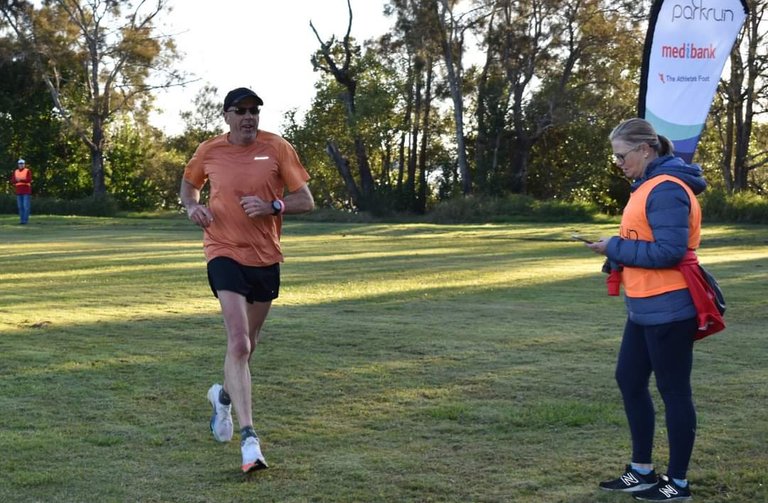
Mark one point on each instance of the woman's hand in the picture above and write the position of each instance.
(598, 246)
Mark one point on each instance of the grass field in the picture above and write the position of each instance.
(401, 363)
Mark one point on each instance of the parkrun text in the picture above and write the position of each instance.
(695, 10)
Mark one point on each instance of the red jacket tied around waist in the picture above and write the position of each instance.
(709, 318)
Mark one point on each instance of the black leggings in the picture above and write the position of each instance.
(667, 351)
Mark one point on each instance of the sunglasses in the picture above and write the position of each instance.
(241, 111)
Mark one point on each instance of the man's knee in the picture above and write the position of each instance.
(239, 346)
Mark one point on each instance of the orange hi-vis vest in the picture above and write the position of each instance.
(22, 174)
(640, 282)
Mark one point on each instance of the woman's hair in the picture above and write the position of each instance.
(637, 131)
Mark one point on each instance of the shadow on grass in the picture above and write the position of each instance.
(445, 372)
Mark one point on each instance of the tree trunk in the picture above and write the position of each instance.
(754, 74)
(410, 183)
(401, 164)
(345, 76)
(740, 94)
(97, 159)
(453, 71)
(407, 119)
(346, 174)
(727, 152)
(519, 169)
(97, 174)
(364, 168)
(421, 198)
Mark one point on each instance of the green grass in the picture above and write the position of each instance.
(401, 363)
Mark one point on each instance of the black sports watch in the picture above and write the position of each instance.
(277, 207)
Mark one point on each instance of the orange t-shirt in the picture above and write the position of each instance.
(265, 168)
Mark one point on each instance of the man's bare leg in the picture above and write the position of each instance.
(243, 322)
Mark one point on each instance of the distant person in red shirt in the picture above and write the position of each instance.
(255, 177)
(22, 180)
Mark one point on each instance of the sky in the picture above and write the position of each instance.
(262, 44)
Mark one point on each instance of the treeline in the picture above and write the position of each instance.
(486, 98)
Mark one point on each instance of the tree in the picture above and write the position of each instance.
(323, 120)
(345, 73)
(116, 52)
(741, 101)
(376, 126)
(572, 159)
(546, 61)
(203, 122)
(415, 48)
(206, 119)
(452, 29)
(30, 128)
(131, 166)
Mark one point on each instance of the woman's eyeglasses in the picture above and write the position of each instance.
(620, 158)
(241, 111)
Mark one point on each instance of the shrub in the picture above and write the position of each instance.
(562, 211)
(87, 206)
(474, 209)
(335, 215)
(8, 204)
(743, 207)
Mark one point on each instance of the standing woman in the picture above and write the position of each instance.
(659, 225)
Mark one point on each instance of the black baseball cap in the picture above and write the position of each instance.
(236, 95)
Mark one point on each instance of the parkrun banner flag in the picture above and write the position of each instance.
(687, 45)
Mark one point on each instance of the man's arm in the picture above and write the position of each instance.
(189, 195)
(299, 201)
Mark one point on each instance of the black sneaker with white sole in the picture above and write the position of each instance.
(630, 481)
(665, 490)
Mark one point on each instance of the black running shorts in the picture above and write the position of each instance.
(256, 284)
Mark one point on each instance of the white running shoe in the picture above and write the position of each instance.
(221, 421)
(253, 459)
